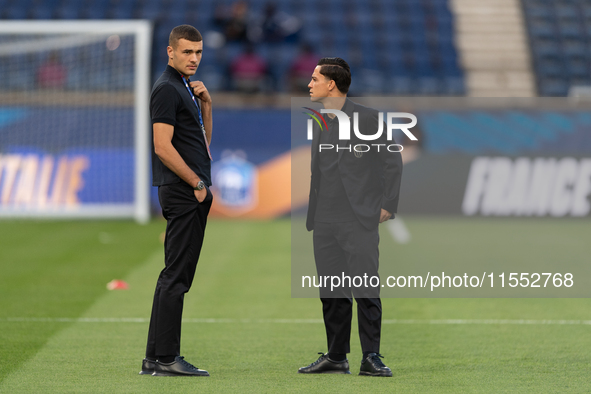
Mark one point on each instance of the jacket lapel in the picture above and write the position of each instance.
(348, 109)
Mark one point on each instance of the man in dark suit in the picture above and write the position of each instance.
(353, 189)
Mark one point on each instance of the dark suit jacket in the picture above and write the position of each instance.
(372, 181)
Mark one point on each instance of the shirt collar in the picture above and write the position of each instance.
(348, 107)
(174, 72)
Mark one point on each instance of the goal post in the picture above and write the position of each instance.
(74, 120)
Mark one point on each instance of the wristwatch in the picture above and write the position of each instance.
(200, 185)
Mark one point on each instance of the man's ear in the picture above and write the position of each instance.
(332, 84)
(169, 51)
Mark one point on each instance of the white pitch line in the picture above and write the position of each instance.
(295, 321)
(490, 322)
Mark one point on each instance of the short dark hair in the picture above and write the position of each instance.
(338, 70)
(187, 32)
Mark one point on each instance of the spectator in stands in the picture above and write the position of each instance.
(52, 73)
(249, 71)
(303, 64)
(235, 25)
(275, 26)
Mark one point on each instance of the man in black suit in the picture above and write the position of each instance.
(353, 189)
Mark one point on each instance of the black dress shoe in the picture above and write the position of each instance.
(179, 367)
(326, 365)
(147, 367)
(373, 366)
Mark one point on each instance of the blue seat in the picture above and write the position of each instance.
(149, 11)
(365, 19)
(16, 11)
(450, 65)
(370, 58)
(423, 68)
(454, 85)
(334, 20)
(553, 87)
(538, 2)
(580, 81)
(122, 13)
(578, 68)
(42, 11)
(542, 29)
(313, 22)
(546, 48)
(373, 81)
(570, 11)
(213, 77)
(429, 86)
(539, 11)
(390, 19)
(401, 85)
(576, 48)
(124, 10)
(313, 35)
(95, 10)
(572, 29)
(176, 16)
(69, 9)
(550, 68)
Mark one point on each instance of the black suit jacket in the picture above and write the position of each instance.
(372, 181)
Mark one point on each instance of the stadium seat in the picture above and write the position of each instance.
(16, 11)
(567, 11)
(542, 29)
(576, 48)
(570, 29)
(550, 68)
(151, 10)
(69, 10)
(553, 87)
(560, 38)
(123, 9)
(578, 68)
(42, 12)
(538, 11)
(454, 86)
(546, 49)
(95, 10)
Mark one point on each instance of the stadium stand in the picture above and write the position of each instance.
(560, 37)
(395, 46)
(494, 48)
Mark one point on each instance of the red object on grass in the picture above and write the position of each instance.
(117, 284)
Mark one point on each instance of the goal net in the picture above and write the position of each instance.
(74, 122)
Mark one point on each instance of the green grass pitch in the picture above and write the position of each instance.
(62, 331)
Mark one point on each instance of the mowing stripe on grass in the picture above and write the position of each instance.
(294, 321)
